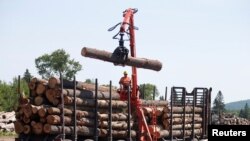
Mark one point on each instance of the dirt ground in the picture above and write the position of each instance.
(7, 138)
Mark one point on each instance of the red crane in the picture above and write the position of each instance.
(121, 53)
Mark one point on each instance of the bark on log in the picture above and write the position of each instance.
(101, 110)
(132, 61)
(42, 112)
(168, 115)
(157, 103)
(19, 127)
(7, 115)
(115, 117)
(187, 120)
(57, 111)
(181, 109)
(56, 120)
(91, 102)
(149, 111)
(89, 94)
(187, 126)
(86, 131)
(67, 84)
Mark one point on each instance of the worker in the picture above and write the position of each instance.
(125, 81)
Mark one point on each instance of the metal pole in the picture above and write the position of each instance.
(96, 109)
(166, 93)
(62, 108)
(75, 131)
(110, 111)
(129, 112)
(194, 104)
(171, 121)
(184, 114)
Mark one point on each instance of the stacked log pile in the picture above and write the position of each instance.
(178, 121)
(42, 113)
(7, 120)
(229, 119)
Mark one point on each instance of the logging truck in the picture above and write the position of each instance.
(59, 109)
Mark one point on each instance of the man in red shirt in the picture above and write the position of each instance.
(125, 81)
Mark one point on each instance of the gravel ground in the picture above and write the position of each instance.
(7, 138)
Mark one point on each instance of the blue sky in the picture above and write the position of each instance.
(201, 43)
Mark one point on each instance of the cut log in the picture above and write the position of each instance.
(158, 103)
(115, 117)
(57, 111)
(187, 126)
(168, 115)
(37, 127)
(40, 88)
(7, 115)
(85, 86)
(54, 82)
(34, 81)
(56, 120)
(101, 110)
(91, 102)
(187, 120)
(149, 111)
(51, 95)
(39, 100)
(8, 127)
(131, 61)
(89, 94)
(19, 127)
(179, 109)
(86, 131)
(42, 112)
(35, 109)
(26, 129)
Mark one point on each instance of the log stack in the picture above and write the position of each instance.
(7, 120)
(229, 119)
(41, 114)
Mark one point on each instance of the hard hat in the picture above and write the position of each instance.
(125, 72)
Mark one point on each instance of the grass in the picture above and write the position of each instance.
(3, 133)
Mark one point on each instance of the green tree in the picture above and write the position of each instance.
(241, 114)
(148, 90)
(27, 76)
(9, 94)
(218, 104)
(56, 62)
(90, 81)
(246, 111)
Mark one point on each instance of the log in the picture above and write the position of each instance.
(56, 120)
(42, 112)
(54, 82)
(26, 129)
(187, 120)
(67, 84)
(176, 109)
(81, 130)
(149, 111)
(35, 109)
(26, 119)
(37, 127)
(131, 61)
(86, 131)
(7, 115)
(40, 88)
(27, 110)
(57, 111)
(34, 81)
(157, 103)
(115, 117)
(91, 102)
(39, 100)
(19, 127)
(168, 115)
(8, 127)
(101, 110)
(51, 95)
(187, 126)
(8, 120)
(89, 94)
